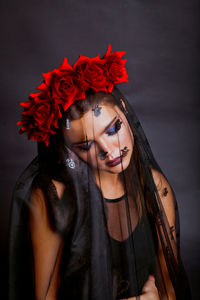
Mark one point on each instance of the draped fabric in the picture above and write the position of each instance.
(70, 239)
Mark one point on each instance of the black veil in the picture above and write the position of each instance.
(102, 248)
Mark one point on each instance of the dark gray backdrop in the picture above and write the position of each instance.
(161, 39)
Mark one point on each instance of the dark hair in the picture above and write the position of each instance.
(80, 107)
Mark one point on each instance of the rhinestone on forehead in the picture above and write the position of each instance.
(97, 110)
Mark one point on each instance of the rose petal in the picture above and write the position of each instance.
(65, 65)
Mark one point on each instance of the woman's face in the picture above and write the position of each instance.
(104, 141)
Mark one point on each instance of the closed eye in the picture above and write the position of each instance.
(85, 146)
(114, 128)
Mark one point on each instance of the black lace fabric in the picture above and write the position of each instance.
(74, 235)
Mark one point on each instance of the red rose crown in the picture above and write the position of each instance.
(66, 84)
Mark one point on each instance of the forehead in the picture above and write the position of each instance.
(90, 125)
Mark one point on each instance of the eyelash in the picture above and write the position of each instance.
(111, 131)
(86, 146)
(115, 128)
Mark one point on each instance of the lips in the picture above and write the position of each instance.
(114, 162)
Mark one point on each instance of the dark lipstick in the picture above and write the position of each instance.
(114, 162)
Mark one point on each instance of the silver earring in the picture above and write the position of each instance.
(70, 163)
(68, 124)
(102, 154)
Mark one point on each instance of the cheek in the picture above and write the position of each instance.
(82, 155)
(126, 138)
(88, 157)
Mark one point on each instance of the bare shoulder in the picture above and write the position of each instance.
(161, 182)
(37, 199)
(60, 187)
(165, 193)
(167, 204)
(158, 178)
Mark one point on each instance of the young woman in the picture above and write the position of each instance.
(93, 215)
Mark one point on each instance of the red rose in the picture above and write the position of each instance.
(61, 83)
(116, 72)
(64, 87)
(79, 68)
(94, 75)
(40, 117)
(90, 74)
(115, 68)
(66, 84)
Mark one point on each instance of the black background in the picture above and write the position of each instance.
(161, 39)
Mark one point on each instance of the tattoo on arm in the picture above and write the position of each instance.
(165, 192)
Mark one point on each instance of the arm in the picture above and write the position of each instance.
(149, 291)
(47, 247)
(167, 200)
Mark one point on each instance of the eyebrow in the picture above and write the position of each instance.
(106, 128)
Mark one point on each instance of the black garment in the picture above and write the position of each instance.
(142, 257)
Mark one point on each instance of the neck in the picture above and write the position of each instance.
(110, 184)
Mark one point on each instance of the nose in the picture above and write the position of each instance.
(105, 149)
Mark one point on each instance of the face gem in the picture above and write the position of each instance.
(68, 124)
(124, 151)
(97, 110)
(102, 155)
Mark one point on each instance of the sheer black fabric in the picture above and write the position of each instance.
(71, 241)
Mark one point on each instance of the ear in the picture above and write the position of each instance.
(123, 103)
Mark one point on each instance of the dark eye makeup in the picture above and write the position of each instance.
(114, 128)
(110, 131)
(86, 146)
